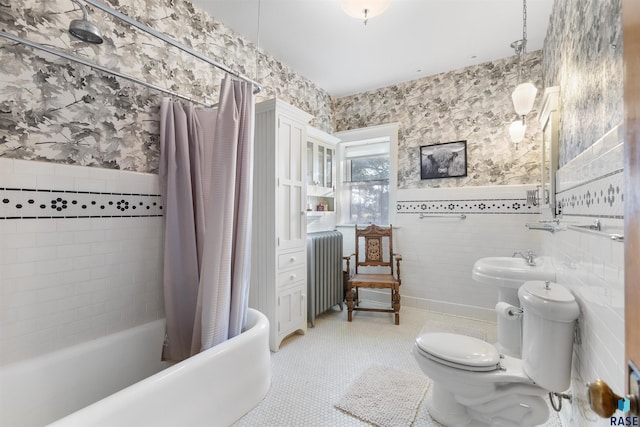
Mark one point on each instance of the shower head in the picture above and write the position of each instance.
(83, 29)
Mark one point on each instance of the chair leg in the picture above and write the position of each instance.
(357, 300)
(396, 305)
(349, 303)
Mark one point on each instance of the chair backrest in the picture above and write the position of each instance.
(374, 247)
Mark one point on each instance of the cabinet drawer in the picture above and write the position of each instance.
(290, 259)
(290, 277)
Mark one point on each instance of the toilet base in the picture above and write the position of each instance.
(443, 408)
(507, 410)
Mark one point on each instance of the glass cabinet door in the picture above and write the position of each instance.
(328, 168)
(321, 163)
(310, 163)
(320, 181)
(320, 166)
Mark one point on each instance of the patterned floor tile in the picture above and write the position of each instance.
(311, 372)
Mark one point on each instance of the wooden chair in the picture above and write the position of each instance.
(374, 248)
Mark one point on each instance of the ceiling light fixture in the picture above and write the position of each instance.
(365, 9)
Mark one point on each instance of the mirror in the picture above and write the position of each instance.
(549, 121)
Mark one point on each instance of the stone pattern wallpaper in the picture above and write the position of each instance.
(472, 104)
(590, 78)
(54, 110)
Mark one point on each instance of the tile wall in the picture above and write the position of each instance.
(590, 188)
(73, 271)
(440, 249)
(80, 254)
(582, 55)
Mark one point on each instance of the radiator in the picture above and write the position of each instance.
(324, 272)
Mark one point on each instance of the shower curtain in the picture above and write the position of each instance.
(206, 170)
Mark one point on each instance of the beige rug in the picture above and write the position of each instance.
(385, 397)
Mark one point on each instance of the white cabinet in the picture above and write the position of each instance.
(278, 258)
(321, 177)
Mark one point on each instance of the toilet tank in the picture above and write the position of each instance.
(550, 313)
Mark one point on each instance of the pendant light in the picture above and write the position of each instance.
(524, 94)
(364, 9)
(517, 131)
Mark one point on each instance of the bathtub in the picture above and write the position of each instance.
(213, 388)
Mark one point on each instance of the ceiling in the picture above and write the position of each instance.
(410, 40)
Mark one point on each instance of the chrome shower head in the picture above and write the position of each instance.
(84, 30)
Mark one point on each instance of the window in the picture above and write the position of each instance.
(365, 191)
(367, 175)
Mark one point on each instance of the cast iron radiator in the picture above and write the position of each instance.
(324, 272)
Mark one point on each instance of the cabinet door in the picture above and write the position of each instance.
(310, 158)
(291, 175)
(319, 164)
(292, 309)
(328, 168)
(320, 167)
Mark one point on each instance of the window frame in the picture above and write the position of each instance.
(368, 135)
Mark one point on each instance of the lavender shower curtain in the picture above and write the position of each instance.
(206, 169)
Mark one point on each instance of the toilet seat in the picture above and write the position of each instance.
(459, 351)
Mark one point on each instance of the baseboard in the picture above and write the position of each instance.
(460, 310)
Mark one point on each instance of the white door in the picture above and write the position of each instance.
(631, 36)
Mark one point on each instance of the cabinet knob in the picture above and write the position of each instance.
(292, 277)
(292, 259)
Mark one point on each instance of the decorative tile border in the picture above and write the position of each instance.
(512, 206)
(24, 203)
(602, 198)
(592, 184)
(605, 157)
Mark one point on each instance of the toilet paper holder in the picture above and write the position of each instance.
(508, 310)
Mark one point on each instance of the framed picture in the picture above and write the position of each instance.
(445, 160)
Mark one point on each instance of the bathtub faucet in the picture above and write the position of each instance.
(530, 257)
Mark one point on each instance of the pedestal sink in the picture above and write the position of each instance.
(508, 274)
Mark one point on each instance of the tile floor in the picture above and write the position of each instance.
(311, 372)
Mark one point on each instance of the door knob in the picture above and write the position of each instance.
(604, 402)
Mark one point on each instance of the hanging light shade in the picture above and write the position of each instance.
(523, 98)
(365, 9)
(517, 131)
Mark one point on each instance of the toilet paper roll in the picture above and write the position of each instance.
(507, 311)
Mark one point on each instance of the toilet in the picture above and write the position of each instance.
(475, 385)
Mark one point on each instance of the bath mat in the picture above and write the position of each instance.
(385, 397)
(436, 326)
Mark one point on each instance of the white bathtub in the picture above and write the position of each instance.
(213, 388)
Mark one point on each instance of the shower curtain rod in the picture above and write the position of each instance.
(166, 39)
(78, 60)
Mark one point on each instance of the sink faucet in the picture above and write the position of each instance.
(530, 257)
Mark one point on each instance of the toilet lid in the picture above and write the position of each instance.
(467, 352)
